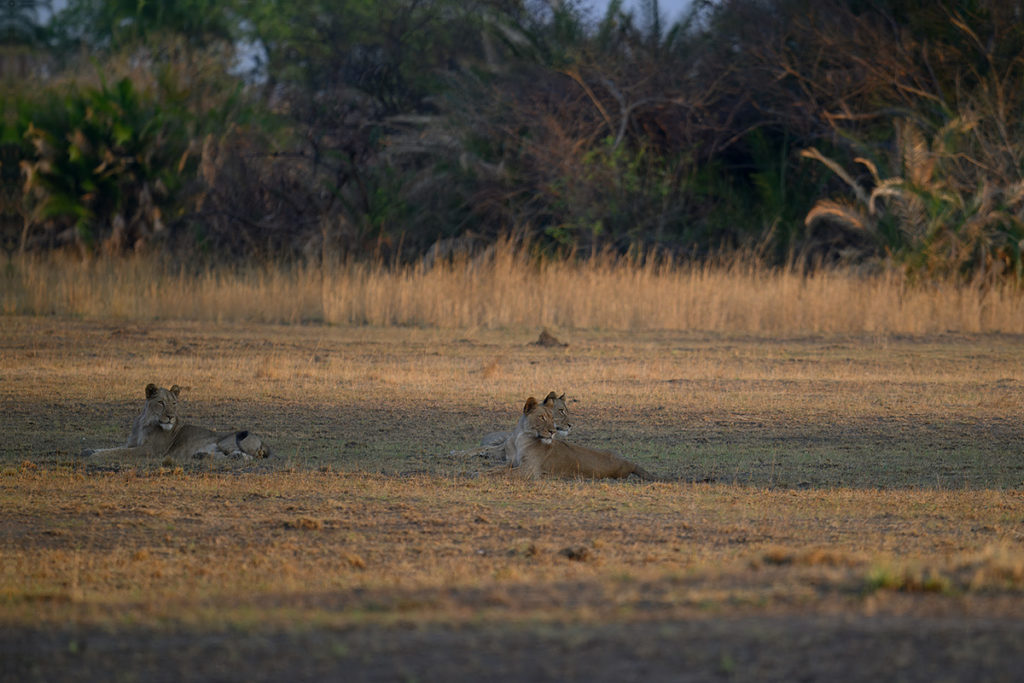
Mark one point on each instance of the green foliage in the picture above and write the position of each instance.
(905, 580)
(942, 216)
(106, 163)
(358, 124)
(112, 24)
(615, 195)
(391, 50)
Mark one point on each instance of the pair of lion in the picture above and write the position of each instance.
(531, 448)
(159, 433)
(537, 447)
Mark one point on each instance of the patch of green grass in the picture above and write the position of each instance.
(908, 581)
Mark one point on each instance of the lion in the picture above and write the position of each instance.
(158, 432)
(506, 440)
(542, 454)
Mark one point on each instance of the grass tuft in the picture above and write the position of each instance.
(907, 580)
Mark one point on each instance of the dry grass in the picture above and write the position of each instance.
(826, 488)
(348, 548)
(507, 288)
(839, 411)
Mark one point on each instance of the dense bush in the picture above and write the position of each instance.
(822, 131)
(105, 166)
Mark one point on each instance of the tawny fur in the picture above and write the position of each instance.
(159, 433)
(543, 455)
(507, 440)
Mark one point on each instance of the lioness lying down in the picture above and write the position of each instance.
(158, 432)
(506, 441)
(541, 454)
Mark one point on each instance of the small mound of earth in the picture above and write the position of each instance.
(547, 339)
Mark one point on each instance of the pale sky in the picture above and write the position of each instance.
(670, 9)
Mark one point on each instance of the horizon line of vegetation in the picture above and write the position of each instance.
(510, 286)
(396, 130)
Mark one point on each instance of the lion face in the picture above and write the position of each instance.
(560, 413)
(539, 420)
(162, 406)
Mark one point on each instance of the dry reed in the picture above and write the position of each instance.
(509, 288)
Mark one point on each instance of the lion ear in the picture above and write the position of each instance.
(175, 390)
(531, 403)
(151, 390)
(550, 397)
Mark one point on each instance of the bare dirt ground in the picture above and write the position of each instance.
(842, 508)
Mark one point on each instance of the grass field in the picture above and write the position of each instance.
(841, 506)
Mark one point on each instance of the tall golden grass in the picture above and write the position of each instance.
(509, 288)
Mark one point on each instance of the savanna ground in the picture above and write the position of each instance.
(840, 507)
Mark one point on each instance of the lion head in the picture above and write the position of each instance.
(559, 413)
(540, 422)
(161, 408)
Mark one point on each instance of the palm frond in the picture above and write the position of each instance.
(1014, 194)
(916, 155)
(911, 216)
(890, 187)
(870, 165)
(841, 214)
(813, 153)
(942, 142)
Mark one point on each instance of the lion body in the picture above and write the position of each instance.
(542, 455)
(158, 432)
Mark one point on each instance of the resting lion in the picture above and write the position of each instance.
(507, 440)
(542, 454)
(159, 433)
